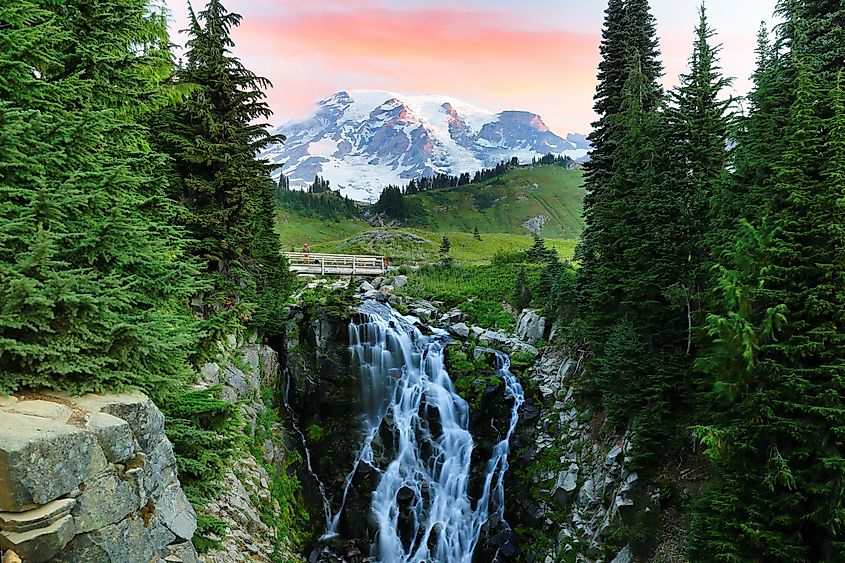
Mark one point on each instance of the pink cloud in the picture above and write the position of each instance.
(487, 57)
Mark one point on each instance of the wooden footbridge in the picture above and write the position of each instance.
(336, 264)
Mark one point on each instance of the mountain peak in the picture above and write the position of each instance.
(363, 140)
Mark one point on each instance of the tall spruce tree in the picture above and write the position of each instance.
(698, 120)
(629, 44)
(214, 136)
(778, 358)
(93, 281)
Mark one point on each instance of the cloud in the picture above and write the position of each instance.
(489, 57)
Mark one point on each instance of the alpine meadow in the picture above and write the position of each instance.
(395, 326)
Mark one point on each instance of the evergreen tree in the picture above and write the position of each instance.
(628, 45)
(445, 251)
(521, 293)
(475, 234)
(778, 357)
(213, 137)
(94, 283)
(698, 120)
(539, 253)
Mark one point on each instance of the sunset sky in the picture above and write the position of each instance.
(536, 55)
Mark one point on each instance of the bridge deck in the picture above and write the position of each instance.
(336, 264)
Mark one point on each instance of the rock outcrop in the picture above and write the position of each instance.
(577, 472)
(88, 479)
(530, 327)
(249, 375)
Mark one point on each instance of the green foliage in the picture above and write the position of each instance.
(463, 282)
(315, 432)
(94, 280)
(208, 528)
(206, 436)
(471, 375)
(488, 314)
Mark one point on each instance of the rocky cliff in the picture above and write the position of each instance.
(94, 478)
(89, 479)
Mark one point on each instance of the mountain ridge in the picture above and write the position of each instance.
(363, 140)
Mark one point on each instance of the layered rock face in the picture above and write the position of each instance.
(90, 479)
(252, 371)
(576, 472)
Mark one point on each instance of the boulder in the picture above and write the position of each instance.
(42, 460)
(365, 287)
(400, 281)
(530, 327)
(461, 330)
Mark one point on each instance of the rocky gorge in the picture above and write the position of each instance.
(560, 488)
(573, 477)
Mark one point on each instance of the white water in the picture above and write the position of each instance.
(403, 377)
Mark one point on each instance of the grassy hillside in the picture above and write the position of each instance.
(498, 207)
(417, 246)
(504, 204)
(295, 230)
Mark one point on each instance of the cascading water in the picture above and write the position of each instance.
(422, 504)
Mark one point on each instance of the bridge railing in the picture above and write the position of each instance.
(339, 264)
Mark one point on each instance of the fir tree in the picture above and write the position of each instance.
(475, 234)
(94, 283)
(521, 294)
(445, 251)
(628, 45)
(213, 137)
(698, 120)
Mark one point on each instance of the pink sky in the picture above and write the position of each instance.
(536, 55)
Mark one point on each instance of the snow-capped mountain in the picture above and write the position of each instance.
(363, 140)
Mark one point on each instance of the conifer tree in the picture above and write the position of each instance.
(778, 357)
(445, 251)
(94, 284)
(629, 44)
(698, 121)
(213, 137)
(475, 234)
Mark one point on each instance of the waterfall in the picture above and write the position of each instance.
(421, 504)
